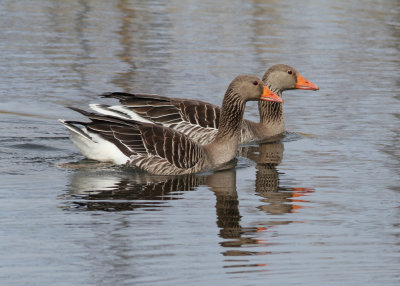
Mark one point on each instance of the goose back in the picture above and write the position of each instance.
(197, 119)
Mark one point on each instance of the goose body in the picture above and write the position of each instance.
(200, 120)
(162, 150)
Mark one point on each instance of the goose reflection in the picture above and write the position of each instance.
(108, 189)
(119, 189)
(97, 189)
(278, 199)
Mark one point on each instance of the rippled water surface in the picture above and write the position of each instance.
(320, 207)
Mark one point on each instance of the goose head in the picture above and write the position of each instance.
(248, 87)
(283, 77)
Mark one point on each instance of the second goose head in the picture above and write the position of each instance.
(283, 77)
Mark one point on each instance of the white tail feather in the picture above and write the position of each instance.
(118, 111)
(94, 146)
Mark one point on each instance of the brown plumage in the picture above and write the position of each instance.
(200, 120)
(162, 150)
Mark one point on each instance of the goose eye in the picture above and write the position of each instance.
(289, 72)
(255, 82)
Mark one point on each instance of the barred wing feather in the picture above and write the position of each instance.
(197, 119)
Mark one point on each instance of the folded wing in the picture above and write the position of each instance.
(147, 145)
(197, 119)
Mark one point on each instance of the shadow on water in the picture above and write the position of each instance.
(115, 189)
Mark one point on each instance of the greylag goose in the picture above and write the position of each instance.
(162, 150)
(200, 120)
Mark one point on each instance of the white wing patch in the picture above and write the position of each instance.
(119, 111)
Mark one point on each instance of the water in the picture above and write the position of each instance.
(321, 207)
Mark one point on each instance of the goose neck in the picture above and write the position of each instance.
(231, 117)
(271, 111)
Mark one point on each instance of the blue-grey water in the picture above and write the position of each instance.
(320, 207)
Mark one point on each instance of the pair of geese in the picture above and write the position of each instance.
(173, 136)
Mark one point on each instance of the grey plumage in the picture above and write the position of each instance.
(201, 120)
(162, 150)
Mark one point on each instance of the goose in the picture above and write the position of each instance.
(200, 120)
(162, 150)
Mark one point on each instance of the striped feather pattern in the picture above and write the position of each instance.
(152, 147)
(170, 111)
(200, 120)
(159, 149)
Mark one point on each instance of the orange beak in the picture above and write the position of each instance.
(303, 83)
(270, 96)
